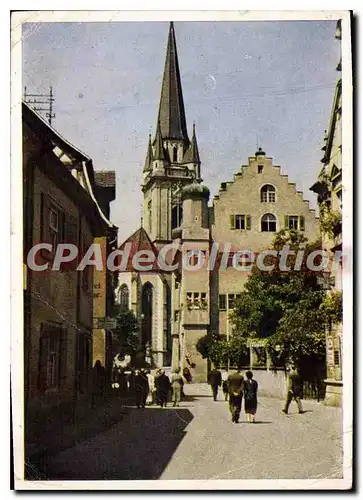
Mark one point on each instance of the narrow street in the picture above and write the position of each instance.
(198, 441)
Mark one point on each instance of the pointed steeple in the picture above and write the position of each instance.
(171, 109)
(149, 157)
(192, 153)
(159, 148)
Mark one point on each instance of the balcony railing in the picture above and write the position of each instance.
(178, 172)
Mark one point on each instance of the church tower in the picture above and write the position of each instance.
(172, 159)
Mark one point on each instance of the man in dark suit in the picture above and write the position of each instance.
(235, 391)
(293, 390)
(162, 384)
(215, 381)
(141, 388)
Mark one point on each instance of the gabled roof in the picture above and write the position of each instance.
(139, 241)
(74, 154)
(52, 135)
(171, 109)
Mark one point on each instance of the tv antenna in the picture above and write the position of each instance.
(42, 103)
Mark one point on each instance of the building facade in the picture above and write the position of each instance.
(60, 206)
(188, 300)
(329, 189)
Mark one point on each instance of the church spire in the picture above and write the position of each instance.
(149, 157)
(159, 148)
(171, 110)
(192, 153)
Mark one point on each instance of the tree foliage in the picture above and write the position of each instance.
(203, 345)
(283, 306)
(332, 307)
(126, 331)
(220, 351)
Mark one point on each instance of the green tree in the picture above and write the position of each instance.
(126, 331)
(282, 306)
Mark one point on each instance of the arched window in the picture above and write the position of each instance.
(176, 216)
(268, 223)
(150, 219)
(175, 154)
(268, 194)
(147, 313)
(124, 296)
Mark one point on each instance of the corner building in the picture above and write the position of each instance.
(179, 305)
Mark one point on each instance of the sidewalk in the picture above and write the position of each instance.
(66, 427)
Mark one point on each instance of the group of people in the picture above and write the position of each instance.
(236, 388)
(155, 389)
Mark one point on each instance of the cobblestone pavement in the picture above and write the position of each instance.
(198, 441)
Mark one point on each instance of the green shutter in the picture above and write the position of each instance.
(248, 222)
(232, 221)
(302, 223)
(286, 221)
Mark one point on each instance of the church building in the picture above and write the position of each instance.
(189, 280)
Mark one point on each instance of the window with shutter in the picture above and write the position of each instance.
(87, 271)
(52, 225)
(70, 237)
(45, 234)
(293, 222)
(50, 357)
(240, 222)
(222, 302)
(43, 362)
(302, 223)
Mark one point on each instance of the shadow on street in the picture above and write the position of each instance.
(140, 447)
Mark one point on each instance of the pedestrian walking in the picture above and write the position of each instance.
(98, 382)
(177, 383)
(225, 385)
(235, 391)
(250, 387)
(162, 384)
(141, 388)
(151, 394)
(293, 389)
(131, 382)
(215, 381)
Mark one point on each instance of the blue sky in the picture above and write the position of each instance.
(243, 82)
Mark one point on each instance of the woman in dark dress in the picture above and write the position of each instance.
(250, 395)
